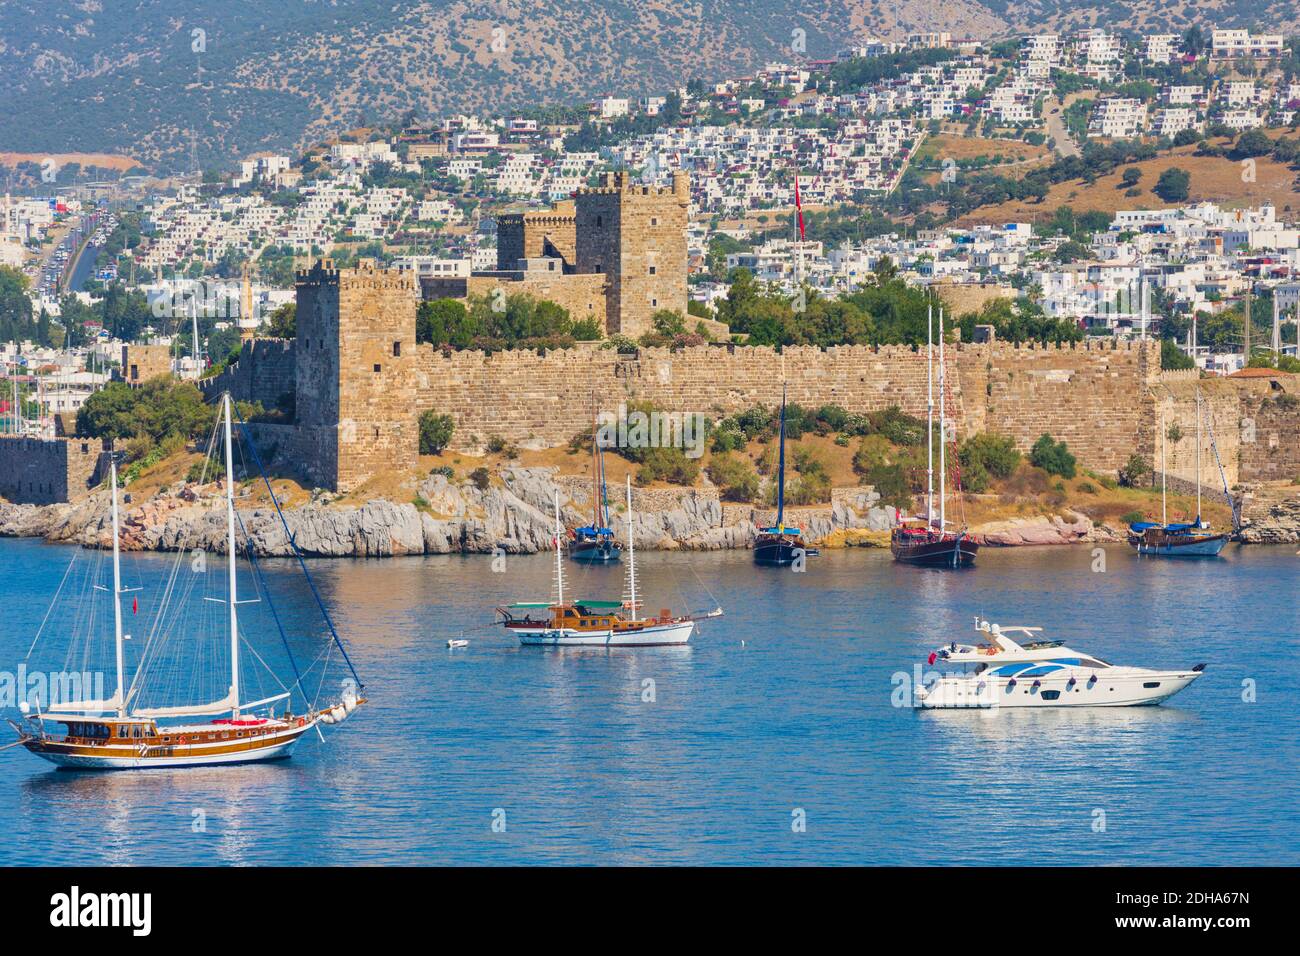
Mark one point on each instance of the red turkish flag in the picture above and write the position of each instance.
(135, 605)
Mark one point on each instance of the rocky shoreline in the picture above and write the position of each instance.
(513, 515)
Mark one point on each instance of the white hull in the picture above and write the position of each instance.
(653, 636)
(981, 692)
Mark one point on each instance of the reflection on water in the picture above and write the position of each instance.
(701, 754)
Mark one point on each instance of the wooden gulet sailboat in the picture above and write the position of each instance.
(1181, 540)
(779, 546)
(118, 734)
(586, 623)
(595, 544)
(932, 544)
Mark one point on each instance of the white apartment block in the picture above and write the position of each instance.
(1160, 47)
(1097, 46)
(1230, 44)
(1238, 93)
(475, 141)
(611, 107)
(1241, 119)
(1041, 48)
(929, 41)
(1118, 118)
(1170, 122)
(362, 154)
(1184, 95)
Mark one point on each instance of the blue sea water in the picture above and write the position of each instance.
(772, 739)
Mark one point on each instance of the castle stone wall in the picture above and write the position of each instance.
(265, 373)
(47, 471)
(1093, 398)
(1255, 426)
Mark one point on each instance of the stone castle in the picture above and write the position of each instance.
(351, 387)
(357, 383)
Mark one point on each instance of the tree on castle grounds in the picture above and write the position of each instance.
(283, 323)
(435, 432)
(161, 412)
(1052, 456)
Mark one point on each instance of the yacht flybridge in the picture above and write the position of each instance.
(585, 623)
(1017, 667)
(129, 730)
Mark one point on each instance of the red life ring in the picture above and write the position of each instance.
(185, 740)
(301, 721)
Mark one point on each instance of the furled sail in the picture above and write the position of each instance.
(113, 704)
(229, 702)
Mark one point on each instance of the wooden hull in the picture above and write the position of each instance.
(934, 551)
(773, 551)
(594, 552)
(1181, 545)
(275, 745)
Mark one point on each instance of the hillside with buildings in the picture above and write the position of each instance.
(183, 84)
(1109, 222)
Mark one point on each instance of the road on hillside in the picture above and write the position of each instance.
(1053, 113)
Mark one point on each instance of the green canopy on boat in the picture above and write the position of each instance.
(601, 604)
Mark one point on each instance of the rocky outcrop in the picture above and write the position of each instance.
(1271, 515)
(1056, 529)
(515, 513)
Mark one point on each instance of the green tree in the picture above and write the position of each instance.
(435, 432)
(283, 323)
(1174, 358)
(1174, 185)
(1052, 456)
(15, 306)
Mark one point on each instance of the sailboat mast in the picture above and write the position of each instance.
(120, 695)
(631, 551)
(1198, 457)
(559, 554)
(943, 435)
(780, 473)
(595, 475)
(929, 417)
(194, 329)
(230, 563)
(1164, 510)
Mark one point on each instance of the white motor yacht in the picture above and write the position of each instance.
(1028, 671)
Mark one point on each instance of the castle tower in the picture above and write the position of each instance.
(534, 234)
(636, 235)
(356, 373)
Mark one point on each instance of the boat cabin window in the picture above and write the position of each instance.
(123, 730)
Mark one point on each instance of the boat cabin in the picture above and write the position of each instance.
(579, 616)
(93, 730)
